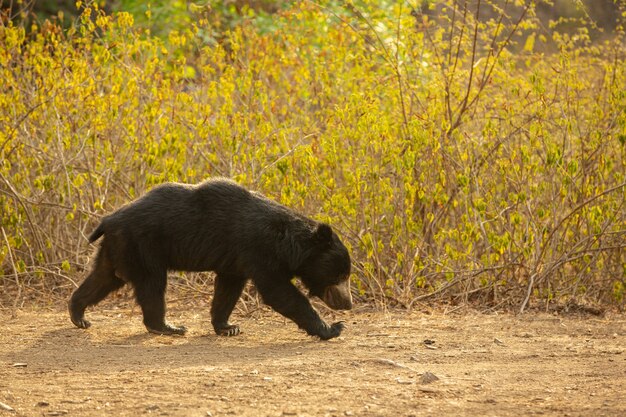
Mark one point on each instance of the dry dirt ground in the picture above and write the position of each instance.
(486, 365)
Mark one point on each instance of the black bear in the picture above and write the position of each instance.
(217, 226)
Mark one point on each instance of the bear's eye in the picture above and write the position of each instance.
(341, 279)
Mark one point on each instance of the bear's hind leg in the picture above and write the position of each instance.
(228, 289)
(100, 283)
(150, 294)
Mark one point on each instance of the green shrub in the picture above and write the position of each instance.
(456, 161)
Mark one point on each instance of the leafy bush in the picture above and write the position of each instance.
(457, 161)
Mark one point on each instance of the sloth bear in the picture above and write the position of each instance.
(217, 226)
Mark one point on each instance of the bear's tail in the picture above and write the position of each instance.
(96, 233)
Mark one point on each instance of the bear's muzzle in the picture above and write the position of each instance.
(338, 297)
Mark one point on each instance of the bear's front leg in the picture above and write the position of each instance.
(285, 299)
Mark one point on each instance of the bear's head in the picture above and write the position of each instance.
(325, 270)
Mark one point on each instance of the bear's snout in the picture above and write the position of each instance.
(338, 297)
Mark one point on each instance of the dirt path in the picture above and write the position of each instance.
(498, 365)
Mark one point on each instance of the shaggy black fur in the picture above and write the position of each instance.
(217, 226)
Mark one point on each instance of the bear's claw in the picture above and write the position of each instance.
(229, 330)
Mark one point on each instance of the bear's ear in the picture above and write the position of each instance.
(323, 233)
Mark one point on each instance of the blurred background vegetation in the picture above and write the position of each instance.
(468, 152)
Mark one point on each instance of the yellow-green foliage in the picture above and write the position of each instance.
(452, 161)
